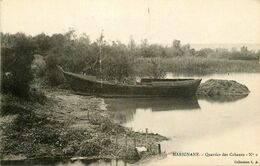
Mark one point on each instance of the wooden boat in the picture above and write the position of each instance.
(89, 85)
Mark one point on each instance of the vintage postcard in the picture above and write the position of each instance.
(130, 82)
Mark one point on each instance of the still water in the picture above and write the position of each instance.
(193, 125)
(204, 126)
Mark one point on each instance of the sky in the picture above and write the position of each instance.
(159, 21)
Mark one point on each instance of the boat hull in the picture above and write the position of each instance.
(85, 86)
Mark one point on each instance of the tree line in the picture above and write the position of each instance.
(24, 57)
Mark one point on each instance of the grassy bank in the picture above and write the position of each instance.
(66, 126)
(198, 66)
(204, 66)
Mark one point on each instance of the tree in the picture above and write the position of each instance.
(131, 45)
(17, 57)
(42, 43)
(176, 48)
(187, 51)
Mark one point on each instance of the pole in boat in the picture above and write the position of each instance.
(100, 58)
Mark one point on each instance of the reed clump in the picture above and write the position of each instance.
(206, 66)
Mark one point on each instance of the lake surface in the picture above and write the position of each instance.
(205, 126)
(193, 125)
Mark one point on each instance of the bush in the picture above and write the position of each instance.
(156, 70)
(90, 147)
(118, 67)
(17, 56)
(37, 96)
(38, 66)
(53, 74)
(152, 68)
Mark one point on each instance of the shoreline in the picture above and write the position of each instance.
(66, 126)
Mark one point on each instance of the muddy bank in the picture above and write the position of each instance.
(66, 126)
(222, 89)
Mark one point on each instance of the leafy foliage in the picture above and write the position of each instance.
(17, 56)
(79, 54)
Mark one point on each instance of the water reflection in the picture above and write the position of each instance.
(222, 99)
(221, 125)
(125, 108)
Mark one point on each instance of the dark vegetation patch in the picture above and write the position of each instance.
(29, 131)
(222, 90)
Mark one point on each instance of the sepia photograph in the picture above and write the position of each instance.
(130, 82)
